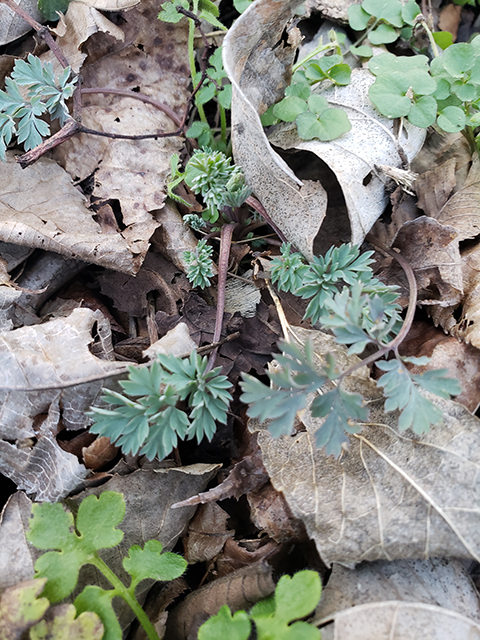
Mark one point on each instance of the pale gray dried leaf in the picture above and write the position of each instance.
(439, 581)
(176, 342)
(207, 533)
(333, 9)
(392, 495)
(17, 557)
(40, 208)
(403, 621)
(242, 297)
(54, 353)
(258, 64)
(353, 157)
(13, 26)
(149, 494)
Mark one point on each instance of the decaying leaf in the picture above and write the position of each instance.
(239, 590)
(439, 582)
(20, 608)
(466, 327)
(207, 533)
(432, 250)
(392, 495)
(48, 212)
(254, 49)
(61, 623)
(254, 45)
(435, 186)
(17, 558)
(13, 26)
(154, 63)
(80, 22)
(174, 237)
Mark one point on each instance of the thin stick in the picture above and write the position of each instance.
(225, 243)
(137, 96)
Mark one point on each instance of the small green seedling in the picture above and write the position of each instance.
(360, 310)
(77, 542)
(20, 115)
(200, 265)
(153, 423)
(383, 21)
(274, 618)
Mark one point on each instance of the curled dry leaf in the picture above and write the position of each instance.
(440, 582)
(239, 590)
(12, 26)
(254, 50)
(40, 208)
(17, 558)
(253, 46)
(353, 157)
(206, 534)
(392, 495)
(80, 22)
(174, 237)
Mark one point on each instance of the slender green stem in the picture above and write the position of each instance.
(122, 591)
(191, 57)
(433, 44)
(367, 32)
(316, 51)
(223, 123)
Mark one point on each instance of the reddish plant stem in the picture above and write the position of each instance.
(259, 208)
(225, 243)
(42, 31)
(137, 96)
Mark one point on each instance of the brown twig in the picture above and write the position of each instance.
(137, 96)
(259, 208)
(412, 303)
(225, 243)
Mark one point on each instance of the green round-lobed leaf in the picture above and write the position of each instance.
(423, 112)
(330, 125)
(362, 52)
(467, 92)
(421, 82)
(444, 39)
(341, 74)
(410, 11)
(150, 562)
(317, 104)
(358, 19)
(61, 568)
(452, 119)
(443, 89)
(458, 59)
(388, 94)
(383, 34)
(290, 108)
(224, 626)
(298, 596)
(299, 89)
(388, 63)
(388, 10)
(97, 519)
(51, 527)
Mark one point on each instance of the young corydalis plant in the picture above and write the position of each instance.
(152, 424)
(77, 542)
(360, 310)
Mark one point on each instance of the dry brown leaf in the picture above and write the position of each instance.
(40, 208)
(403, 621)
(392, 495)
(270, 513)
(432, 250)
(467, 327)
(153, 62)
(333, 9)
(99, 453)
(13, 26)
(435, 186)
(462, 210)
(206, 534)
(439, 581)
(449, 19)
(17, 614)
(79, 23)
(174, 237)
(254, 49)
(111, 5)
(239, 590)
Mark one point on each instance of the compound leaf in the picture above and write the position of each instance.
(99, 601)
(98, 518)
